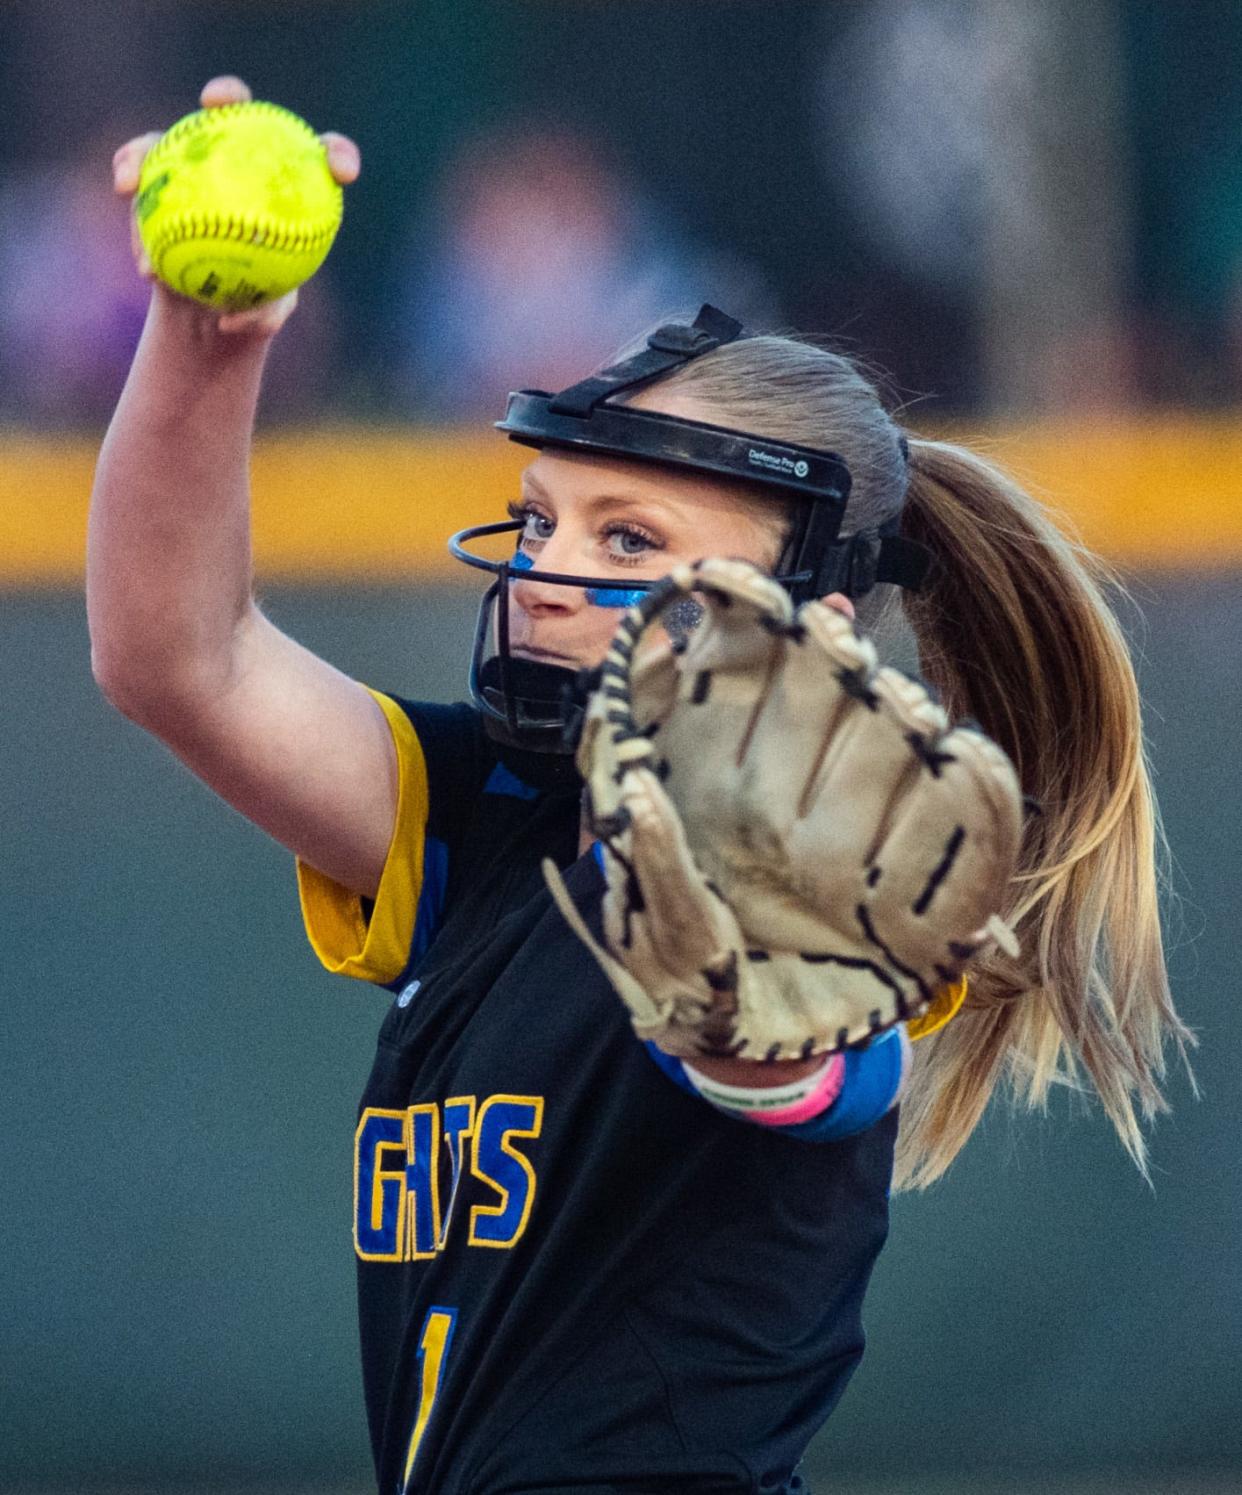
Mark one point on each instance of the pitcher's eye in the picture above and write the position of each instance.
(536, 526)
(627, 542)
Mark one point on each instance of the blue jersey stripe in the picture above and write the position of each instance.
(431, 895)
(503, 780)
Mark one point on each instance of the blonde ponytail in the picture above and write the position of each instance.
(1015, 631)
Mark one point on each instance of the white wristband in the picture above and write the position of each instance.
(803, 1097)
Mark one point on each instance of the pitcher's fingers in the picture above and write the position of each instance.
(226, 89)
(127, 162)
(264, 320)
(344, 157)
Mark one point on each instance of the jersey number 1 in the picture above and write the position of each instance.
(433, 1348)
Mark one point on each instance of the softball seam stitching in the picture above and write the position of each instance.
(265, 233)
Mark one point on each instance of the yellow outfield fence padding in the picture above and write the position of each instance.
(363, 504)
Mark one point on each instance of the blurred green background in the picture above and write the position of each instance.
(1023, 210)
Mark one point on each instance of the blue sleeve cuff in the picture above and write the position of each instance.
(874, 1078)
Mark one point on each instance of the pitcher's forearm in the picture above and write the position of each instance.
(168, 554)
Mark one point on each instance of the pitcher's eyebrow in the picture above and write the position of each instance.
(613, 498)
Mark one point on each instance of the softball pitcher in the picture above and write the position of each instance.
(685, 898)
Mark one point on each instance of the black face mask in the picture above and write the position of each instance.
(534, 709)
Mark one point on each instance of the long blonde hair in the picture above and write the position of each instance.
(1015, 630)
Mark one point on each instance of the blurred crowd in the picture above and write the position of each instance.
(1017, 209)
(534, 262)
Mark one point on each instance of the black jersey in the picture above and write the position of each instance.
(572, 1274)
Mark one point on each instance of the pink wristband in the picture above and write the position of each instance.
(780, 1105)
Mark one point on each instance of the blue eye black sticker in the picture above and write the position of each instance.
(614, 597)
(596, 596)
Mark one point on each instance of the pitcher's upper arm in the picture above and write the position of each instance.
(296, 746)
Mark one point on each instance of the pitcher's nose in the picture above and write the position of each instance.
(543, 598)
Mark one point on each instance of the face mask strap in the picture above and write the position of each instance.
(668, 348)
(855, 564)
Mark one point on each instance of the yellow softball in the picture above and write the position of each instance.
(237, 205)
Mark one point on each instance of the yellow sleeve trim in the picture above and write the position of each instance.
(944, 1006)
(347, 943)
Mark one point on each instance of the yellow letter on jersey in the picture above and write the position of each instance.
(433, 1348)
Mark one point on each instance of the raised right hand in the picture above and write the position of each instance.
(344, 161)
